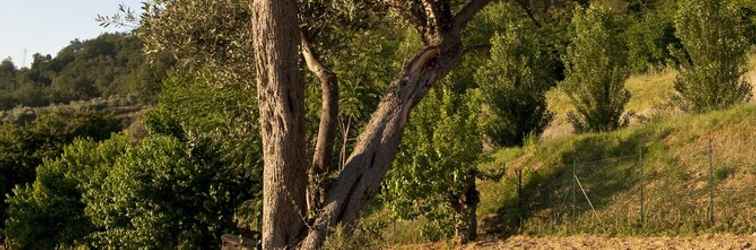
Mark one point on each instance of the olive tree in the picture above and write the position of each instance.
(280, 94)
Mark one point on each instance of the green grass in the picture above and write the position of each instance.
(673, 175)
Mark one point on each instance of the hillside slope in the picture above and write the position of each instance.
(651, 93)
(675, 167)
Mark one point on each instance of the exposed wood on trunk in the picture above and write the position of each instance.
(378, 144)
(280, 92)
(321, 162)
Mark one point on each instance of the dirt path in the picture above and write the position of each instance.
(595, 242)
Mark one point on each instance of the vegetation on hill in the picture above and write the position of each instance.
(668, 160)
(111, 64)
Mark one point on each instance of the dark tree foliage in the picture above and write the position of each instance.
(596, 71)
(513, 85)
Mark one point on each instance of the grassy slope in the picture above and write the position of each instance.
(674, 178)
(675, 171)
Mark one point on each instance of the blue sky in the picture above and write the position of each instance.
(46, 26)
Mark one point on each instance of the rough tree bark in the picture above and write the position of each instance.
(280, 93)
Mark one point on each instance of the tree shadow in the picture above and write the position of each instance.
(605, 165)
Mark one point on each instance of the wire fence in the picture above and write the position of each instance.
(638, 194)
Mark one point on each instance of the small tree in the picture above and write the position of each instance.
(596, 72)
(713, 58)
(436, 166)
(513, 85)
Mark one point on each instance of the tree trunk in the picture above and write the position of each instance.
(465, 205)
(280, 92)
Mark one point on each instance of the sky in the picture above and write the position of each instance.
(46, 26)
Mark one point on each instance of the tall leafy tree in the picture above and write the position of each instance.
(713, 58)
(596, 71)
(513, 84)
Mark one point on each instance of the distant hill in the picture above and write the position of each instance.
(111, 64)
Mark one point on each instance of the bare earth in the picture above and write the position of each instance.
(596, 242)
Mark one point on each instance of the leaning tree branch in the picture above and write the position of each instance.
(377, 145)
(468, 12)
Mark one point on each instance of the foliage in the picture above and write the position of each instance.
(24, 147)
(111, 64)
(713, 58)
(649, 35)
(55, 197)
(437, 157)
(165, 193)
(596, 71)
(209, 39)
(513, 85)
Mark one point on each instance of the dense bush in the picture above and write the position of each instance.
(24, 147)
(160, 193)
(648, 37)
(55, 197)
(165, 193)
(714, 56)
(513, 85)
(596, 71)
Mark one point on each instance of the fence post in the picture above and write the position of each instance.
(574, 189)
(711, 183)
(642, 187)
(519, 191)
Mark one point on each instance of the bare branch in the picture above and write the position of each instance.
(321, 162)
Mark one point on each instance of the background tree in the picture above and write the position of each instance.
(513, 85)
(441, 143)
(596, 71)
(713, 58)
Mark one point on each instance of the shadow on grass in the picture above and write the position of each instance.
(605, 164)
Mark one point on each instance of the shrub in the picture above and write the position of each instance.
(50, 212)
(24, 147)
(648, 38)
(513, 85)
(165, 193)
(596, 71)
(441, 143)
(713, 58)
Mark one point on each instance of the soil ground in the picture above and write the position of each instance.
(713, 242)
